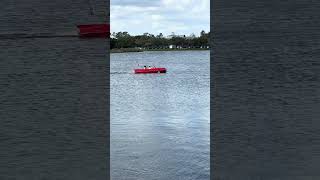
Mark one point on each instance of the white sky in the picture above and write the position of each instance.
(155, 16)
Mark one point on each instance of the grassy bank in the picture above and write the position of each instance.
(123, 50)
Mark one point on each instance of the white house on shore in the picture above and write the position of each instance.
(172, 46)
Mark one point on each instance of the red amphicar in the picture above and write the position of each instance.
(94, 30)
(150, 70)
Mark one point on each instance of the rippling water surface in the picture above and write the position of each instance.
(160, 122)
(266, 97)
(51, 124)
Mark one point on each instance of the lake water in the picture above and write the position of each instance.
(266, 94)
(51, 124)
(160, 124)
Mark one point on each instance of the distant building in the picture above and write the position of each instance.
(172, 46)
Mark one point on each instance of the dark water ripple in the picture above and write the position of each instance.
(53, 114)
(266, 90)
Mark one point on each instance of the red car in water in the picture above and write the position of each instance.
(94, 30)
(150, 70)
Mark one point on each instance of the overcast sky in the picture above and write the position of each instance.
(155, 16)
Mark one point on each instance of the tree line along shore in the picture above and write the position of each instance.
(124, 42)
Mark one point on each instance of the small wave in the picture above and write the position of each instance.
(120, 72)
(37, 35)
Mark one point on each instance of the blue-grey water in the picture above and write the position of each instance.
(160, 126)
(53, 93)
(266, 98)
(52, 125)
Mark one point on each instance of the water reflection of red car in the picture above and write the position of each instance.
(150, 70)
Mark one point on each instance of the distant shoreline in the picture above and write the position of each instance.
(124, 50)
